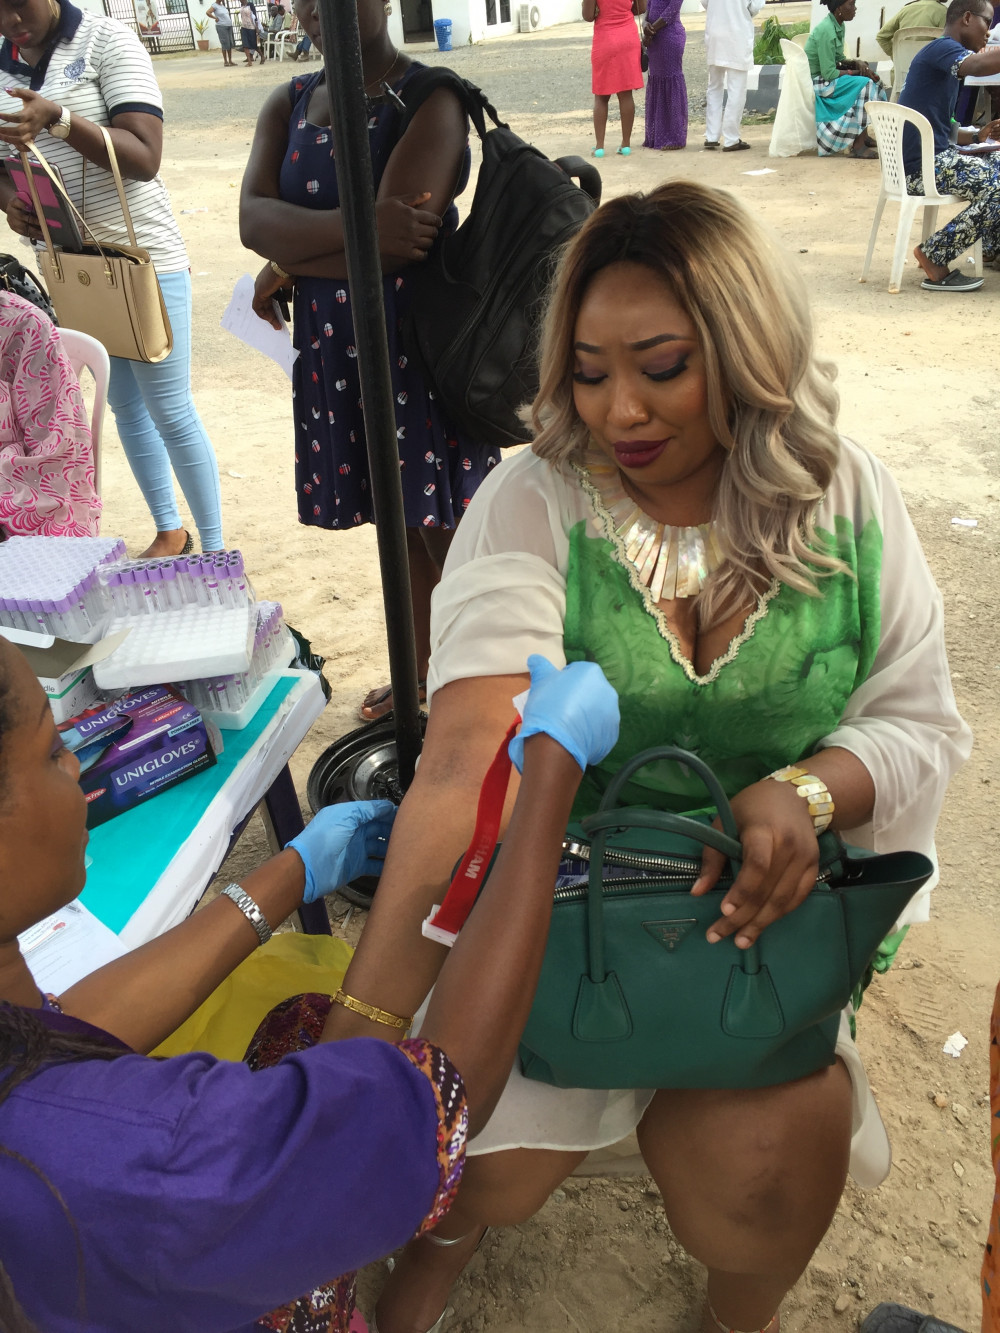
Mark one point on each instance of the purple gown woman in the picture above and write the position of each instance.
(666, 91)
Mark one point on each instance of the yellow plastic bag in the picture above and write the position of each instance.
(286, 965)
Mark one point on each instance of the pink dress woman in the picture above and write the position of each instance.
(46, 456)
(614, 55)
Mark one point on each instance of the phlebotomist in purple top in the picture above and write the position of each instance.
(197, 1194)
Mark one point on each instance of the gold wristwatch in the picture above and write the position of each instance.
(60, 128)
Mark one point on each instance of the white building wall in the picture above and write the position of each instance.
(469, 24)
(859, 35)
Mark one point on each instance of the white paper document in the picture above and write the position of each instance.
(239, 319)
(68, 945)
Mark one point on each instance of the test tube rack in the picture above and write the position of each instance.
(53, 585)
(231, 700)
(172, 645)
(142, 587)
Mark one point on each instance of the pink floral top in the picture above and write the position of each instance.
(46, 457)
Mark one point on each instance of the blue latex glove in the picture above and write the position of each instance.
(575, 706)
(342, 842)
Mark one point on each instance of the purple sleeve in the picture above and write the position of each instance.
(205, 1194)
(453, 1122)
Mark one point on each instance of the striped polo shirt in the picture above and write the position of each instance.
(98, 69)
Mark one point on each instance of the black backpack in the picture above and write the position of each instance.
(478, 300)
(14, 277)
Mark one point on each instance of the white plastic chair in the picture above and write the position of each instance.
(887, 120)
(86, 352)
(280, 41)
(906, 42)
(795, 118)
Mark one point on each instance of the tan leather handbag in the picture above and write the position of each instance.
(108, 291)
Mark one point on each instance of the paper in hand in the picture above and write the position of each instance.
(239, 319)
(67, 946)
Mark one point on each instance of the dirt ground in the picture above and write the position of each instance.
(916, 382)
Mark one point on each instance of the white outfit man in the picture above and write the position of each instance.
(729, 53)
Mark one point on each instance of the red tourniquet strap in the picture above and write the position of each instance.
(450, 917)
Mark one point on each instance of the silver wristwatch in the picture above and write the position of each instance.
(238, 894)
(60, 128)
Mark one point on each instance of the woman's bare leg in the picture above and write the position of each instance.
(626, 108)
(750, 1182)
(501, 1189)
(936, 272)
(600, 118)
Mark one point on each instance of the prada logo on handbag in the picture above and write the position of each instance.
(669, 933)
(83, 277)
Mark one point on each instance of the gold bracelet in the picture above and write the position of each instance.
(276, 268)
(371, 1012)
(813, 790)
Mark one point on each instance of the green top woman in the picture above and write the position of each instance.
(752, 586)
(842, 86)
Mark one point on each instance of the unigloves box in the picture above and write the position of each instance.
(135, 748)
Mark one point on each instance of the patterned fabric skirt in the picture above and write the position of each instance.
(976, 179)
(991, 1259)
(840, 110)
(291, 1026)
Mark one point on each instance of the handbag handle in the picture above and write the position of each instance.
(119, 186)
(609, 816)
(43, 223)
(666, 822)
(58, 185)
(698, 766)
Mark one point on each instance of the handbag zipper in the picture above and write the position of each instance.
(675, 870)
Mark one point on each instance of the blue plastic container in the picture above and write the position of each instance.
(442, 31)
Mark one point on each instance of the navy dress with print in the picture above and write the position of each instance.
(440, 468)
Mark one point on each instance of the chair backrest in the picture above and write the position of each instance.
(85, 352)
(797, 62)
(795, 117)
(906, 42)
(799, 39)
(887, 120)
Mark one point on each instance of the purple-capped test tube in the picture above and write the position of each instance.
(169, 590)
(10, 613)
(154, 576)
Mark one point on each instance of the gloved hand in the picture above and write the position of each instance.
(575, 706)
(342, 842)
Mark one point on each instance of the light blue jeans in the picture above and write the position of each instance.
(160, 428)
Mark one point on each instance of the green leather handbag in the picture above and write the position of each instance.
(631, 993)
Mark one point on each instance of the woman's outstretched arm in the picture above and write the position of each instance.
(486, 987)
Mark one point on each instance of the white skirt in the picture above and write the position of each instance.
(538, 1115)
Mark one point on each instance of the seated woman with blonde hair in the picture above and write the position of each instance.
(750, 583)
(46, 455)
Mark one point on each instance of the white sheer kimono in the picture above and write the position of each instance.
(504, 596)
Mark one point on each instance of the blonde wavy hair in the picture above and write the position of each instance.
(771, 404)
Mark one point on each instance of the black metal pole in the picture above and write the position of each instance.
(349, 109)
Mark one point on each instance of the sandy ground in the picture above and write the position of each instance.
(917, 387)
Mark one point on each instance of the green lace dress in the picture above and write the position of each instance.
(536, 567)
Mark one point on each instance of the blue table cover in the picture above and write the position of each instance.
(131, 852)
